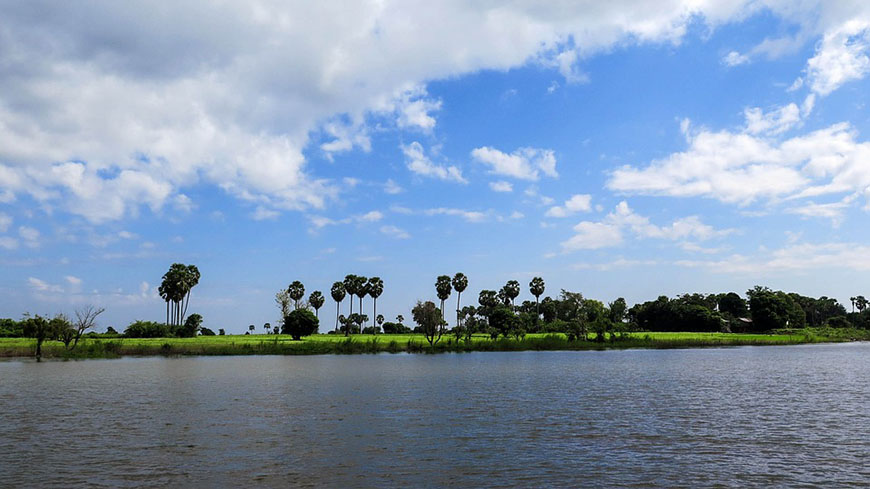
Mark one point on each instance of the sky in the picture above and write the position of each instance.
(619, 149)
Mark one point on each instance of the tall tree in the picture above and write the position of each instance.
(296, 291)
(338, 294)
(375, 289)
(443, 287)
(536, 287)
(316, 300)
(350, 281)
(361, 289)
(86, 318)
(512, 290)
(460, 283)
(430, 320)
(282, 299)
(175, 287)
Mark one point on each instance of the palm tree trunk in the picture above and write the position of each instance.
(374, 314)
(337, 313)
(458, 296)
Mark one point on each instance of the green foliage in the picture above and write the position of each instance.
(191, 326)
(429, 319)
(502, 320)
(299, 323)
(206, 332)
(148, 329)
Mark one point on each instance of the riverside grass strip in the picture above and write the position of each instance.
(403, 343)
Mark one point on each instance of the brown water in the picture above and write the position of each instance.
(755, 416)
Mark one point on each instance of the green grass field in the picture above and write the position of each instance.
(412, 343)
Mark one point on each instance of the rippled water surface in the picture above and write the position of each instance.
(756, 416)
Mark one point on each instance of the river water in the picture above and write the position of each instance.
(737, 417)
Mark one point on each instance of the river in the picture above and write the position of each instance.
(732, 417)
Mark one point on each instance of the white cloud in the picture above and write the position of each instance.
(470, 216)
(577, 203)
(841, 57)
(120, 106)
(791, 258)
(5, 222)
(395, 232)
(773, 122)
(524, 163)
(420, 164)
(735, 59)
(74, 281)
(610, 231)
(261, 213)
(371, 216)
(501, 186)
(517, 215)
(615, 264)
(29, 235)
(43, 286)
(392, 187)
(8, 243)
(741, 168)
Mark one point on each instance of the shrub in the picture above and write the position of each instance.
(206, 332)
(148, 329)
(299, 323)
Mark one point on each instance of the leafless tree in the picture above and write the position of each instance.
(86, 318)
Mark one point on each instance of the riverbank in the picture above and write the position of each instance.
(405, 343)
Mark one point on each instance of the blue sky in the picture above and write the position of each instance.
(614, 149)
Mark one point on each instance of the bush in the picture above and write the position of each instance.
(206, 332)
(838, 322)
(371, 330)
(395, 328)
(299, 323)
(148, 329)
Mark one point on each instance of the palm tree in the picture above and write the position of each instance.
(361, 289)
(251, 328)
(512, 290)
(400, 319)
(460, 283)
(296, 291)
(375, 289)
(443, 287)
(861, 303)
(267, 327)
(380, 319)
(853, 303)
(350, 281)
(338, 294)
(536, 287)
(316, 300)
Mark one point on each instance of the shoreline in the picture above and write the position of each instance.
(96, 348)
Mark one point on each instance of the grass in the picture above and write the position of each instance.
(410, 343)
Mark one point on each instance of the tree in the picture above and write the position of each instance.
(206, 332)
(443, 287)
(379, 319)
(221, 332)
(267, 327)
(338, 294)
(617, 308)
(502, 320)
(316, 300)
(400, 319)
(299, 323)
(86, 318)
(282, 298)
(511, 290)
(37, 327)
(537, 287)
(361, 289)
(296, 291)
(732, 304)
(175, 287)
(350, 284)
(375, 289)
(460, 283)
(861, 303)
(191, 326)
(430, 319)
(251, 328)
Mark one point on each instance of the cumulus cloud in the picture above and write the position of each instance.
(470, 216)
(735, 59)
(369, 217)
(841, 57)
(419, 163)
(611, 230)
(392, 187)
(742, 167)
(108, 108)
(791, 258)
(577, 203)
(501, 186)
(395, 232)
(523, 164)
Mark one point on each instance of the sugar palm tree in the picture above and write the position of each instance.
(296, 291)
(338, 294)
(536, 287)
(460, 283)
(512, 290)
(350, 281)
(375, 289)
(361, 289)
(316, 300)
(443, 287)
